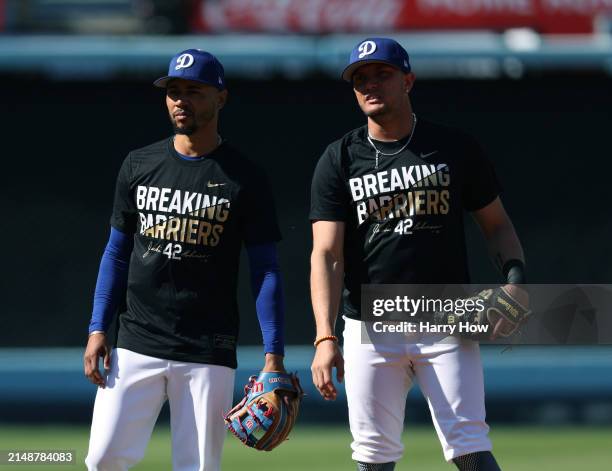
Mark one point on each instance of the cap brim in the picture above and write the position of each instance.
(347, 74)
(162, 82)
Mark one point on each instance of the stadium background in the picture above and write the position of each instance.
(533, 84)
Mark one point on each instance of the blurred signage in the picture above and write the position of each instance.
(93, 16)
(331, 16)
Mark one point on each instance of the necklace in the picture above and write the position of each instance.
(378, 152)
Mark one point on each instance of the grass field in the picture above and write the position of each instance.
(327, 448)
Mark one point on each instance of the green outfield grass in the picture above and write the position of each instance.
(327, 448)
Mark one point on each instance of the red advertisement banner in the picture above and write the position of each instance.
(334, 16)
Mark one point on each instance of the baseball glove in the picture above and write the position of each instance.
(500, 312)
(267, 413)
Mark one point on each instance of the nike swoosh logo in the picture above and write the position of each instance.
(214, 185)
(424, 156)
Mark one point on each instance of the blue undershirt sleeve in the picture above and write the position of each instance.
(112, 279)
(268, 292)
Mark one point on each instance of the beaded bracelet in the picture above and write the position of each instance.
(323, 339)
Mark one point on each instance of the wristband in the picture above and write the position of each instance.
(96, 332)
(323, 339)
(514, 272)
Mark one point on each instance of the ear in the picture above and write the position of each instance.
(221, 99)
(409, 79)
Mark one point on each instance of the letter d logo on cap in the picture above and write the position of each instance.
(366, 48)
(184, 61)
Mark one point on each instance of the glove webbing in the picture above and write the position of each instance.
(279, 426)
(254, 420)
(244, 429)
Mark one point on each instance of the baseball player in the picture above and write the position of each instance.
(183, 208)
(388, 201)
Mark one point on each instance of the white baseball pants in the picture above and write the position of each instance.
(127, 409)
(378, 377)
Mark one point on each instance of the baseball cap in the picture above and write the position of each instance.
(197, 65)
(381, 50)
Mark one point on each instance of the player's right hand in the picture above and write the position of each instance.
(96, 348)
(327, 356)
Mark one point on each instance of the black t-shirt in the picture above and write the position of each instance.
(404, 219)
(189, 220)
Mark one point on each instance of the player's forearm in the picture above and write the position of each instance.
(504, 245)
(269, 298)
(270, 307)
(326, 277)
(112, 280)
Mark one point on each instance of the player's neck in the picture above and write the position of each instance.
(202, 142)
(391, 127)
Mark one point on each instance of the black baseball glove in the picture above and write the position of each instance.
(499, 315)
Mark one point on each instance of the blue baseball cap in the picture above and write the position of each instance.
(194, 64)
(381, 50)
